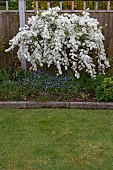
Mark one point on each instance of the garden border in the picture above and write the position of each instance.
(67, 105)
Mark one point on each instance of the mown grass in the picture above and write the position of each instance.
(56, 139)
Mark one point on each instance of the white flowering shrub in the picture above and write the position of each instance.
(65, 40)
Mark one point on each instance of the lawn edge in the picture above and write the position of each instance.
(67, 105)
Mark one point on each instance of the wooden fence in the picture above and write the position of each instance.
(11, 20)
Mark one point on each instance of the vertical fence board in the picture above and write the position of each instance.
(36, 5)
(61, 5)
(96, 5)
(84, 5)
(48, 5)
(108, 5)
(106, 29)
(7, 8)
(110, 35)
(72, 7)
(110, 41)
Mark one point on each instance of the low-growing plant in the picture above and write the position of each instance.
(104, 90)
(46, 86)
(32, 84)
(13, 4)
(3, 76)
(13, 73)
(42, 98)
(9, 91)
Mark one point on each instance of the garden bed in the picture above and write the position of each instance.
(73, 46)
(46, 86)
(46, 96)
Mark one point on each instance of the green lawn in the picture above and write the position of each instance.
(56, 139)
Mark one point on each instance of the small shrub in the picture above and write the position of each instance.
(104, 90)
(65, 41)
(13, 73)
(3, 76)
(45, 86)
(9, 91)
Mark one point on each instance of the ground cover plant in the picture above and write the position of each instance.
(45, 85)
(53, 139)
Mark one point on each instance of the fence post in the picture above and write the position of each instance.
(21, 5)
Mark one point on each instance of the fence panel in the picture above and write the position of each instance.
(9, 25)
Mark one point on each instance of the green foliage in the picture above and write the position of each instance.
(2, 5)
(104, 90)
(13, 5)
(13, 73)
(3, 76)
(16, 84)
(42, 98)
(12, 84)
(31, 4)
(56, 139)
(8, 91)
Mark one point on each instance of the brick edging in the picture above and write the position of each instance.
(68, 105)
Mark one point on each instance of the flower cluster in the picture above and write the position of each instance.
(65, 40)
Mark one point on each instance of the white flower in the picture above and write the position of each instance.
(63, 40)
